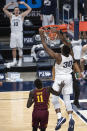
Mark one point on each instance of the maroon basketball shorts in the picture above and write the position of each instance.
(40, 118)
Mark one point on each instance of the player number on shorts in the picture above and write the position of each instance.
(40, 98)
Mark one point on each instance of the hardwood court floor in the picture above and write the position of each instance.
(14, 116)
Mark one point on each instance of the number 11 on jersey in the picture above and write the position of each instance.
(40, 98)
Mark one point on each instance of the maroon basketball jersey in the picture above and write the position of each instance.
(41, 99)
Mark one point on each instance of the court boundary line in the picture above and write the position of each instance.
(13, 99)
(78, 114)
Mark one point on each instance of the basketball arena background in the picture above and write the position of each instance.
(35, 59)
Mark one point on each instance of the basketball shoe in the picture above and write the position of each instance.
(60, 122)
(10, 64)
(71, 125)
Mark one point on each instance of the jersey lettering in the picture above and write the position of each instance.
(40, 98)
(67, 64)
(15, 23)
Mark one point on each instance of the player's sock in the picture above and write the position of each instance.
(59, 115)
(14, 60)
(20, 62)
(70, 116)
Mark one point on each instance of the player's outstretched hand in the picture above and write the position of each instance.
(62, 84)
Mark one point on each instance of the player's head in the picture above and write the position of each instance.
(65, 50)
(38, 83)
(16, 11)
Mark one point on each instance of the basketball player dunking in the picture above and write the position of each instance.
(40, 97)
(16, 40)
(63, 70)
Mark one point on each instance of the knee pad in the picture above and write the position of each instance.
(55, 102)
(20, 51)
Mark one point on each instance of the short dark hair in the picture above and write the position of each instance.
(18, 0)
(16, 7)
(38, 83)
(66, 50)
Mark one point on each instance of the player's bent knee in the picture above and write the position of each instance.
(55, 103)
(68, 106)
(54, 100)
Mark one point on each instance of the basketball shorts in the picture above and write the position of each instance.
(77, 52)
(68, 88)
(46, 20)
(16, 40)
(40, 118)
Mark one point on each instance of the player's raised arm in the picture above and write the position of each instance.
(30, 99)
(61, 85)
(5, 9)
(64, 40)
(48, 50)
(84, 49)
(25, 13)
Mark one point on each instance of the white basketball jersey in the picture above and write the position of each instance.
(65, 67)
(16, 24)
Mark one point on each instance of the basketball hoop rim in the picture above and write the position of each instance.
(49, 26)
(47, 29)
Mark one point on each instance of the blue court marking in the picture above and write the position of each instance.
(78, 113)
(83, 96)
(21, 86)
(82, 116)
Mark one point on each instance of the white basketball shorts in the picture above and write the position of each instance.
(46, 20)
(68, 88)
(16, 40)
